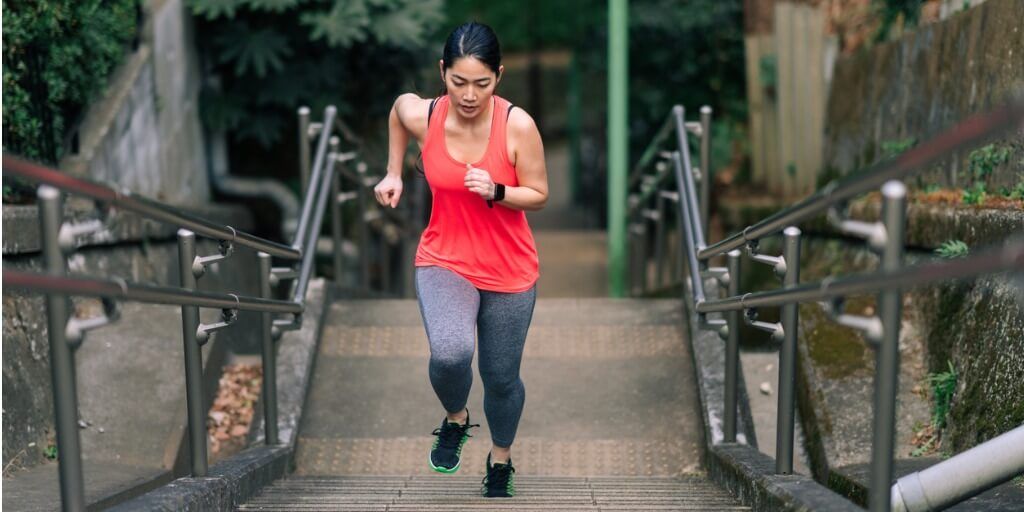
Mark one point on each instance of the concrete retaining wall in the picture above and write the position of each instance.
(144, 133)
(926, 81)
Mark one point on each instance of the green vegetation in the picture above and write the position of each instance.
(943, 387)
(273, 56)
(57, 55)
(903, 12)
(984, 160)
(952, 249)
(50, 452)
(927, 437)
(1016, 193)
(895, 147)
(931, 188)
(974, 194)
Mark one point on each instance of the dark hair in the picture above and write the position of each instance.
(475, 40)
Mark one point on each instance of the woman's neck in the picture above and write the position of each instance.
(479, 121)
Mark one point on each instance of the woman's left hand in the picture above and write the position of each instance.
(479, 181)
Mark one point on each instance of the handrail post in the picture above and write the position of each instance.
(62, 358)
(269, 390)
(659, 241)
(887, 357)
(336, 219)
(787, 356)
(705, 166)
(303, 147)
(193, 357)
(688, 188)
(363, 229)
(732, 351)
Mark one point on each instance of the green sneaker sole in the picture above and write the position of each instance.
(441, 469)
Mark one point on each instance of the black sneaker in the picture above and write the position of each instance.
(500, 480)
(447, 450)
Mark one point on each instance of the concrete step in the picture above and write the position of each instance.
(442, 492)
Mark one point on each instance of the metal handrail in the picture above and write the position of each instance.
(968, 133)
(66, 334)
(143, 206)
(137, 292)
(885, 237)
(1007, 257)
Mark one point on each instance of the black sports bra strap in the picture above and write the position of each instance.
(509, 113)
(430, 112)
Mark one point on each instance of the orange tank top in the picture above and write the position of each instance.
(492, 248)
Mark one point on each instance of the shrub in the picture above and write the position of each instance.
(57, 55)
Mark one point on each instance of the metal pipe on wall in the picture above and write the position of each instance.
(964, 475)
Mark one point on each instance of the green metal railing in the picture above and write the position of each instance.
(58, 239)
(666, 176)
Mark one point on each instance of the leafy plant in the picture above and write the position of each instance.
(952, 249)
(932, 188)
(1017, 192)
(974, 194)
(895, 147)
(892, 11)
(50, 452)
(57, 55)
(271, 56)
(982, 161)
(943, 387)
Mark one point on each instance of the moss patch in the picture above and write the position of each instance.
(837, 351)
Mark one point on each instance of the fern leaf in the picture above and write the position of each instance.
(342, 26)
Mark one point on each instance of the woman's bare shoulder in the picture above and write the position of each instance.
(412, 111)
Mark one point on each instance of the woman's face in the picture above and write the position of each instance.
(470, 85)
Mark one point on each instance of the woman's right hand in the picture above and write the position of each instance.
(389, 190)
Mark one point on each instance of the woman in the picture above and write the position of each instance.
(476, 265)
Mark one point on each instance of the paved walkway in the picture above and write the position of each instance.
(611, 416)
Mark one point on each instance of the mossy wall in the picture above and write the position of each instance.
(902, 91)
(979, 326)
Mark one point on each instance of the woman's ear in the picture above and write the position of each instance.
(501, 72)
(440, 67)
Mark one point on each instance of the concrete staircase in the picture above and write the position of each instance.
(611, 419)
(442, 492)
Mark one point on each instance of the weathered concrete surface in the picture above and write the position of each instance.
(930, 225)
(572, 263)
(595, 370)
(929, 79)
(296, 354)
(106, 483)
(28, 417)
(835, 370)
(750, 474)
(852, 481)
(144, 134)
(21, 225)
(740, 467)
(979, 327)
(227, 484)
(761, 368)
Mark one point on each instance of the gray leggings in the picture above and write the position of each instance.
(452, 310)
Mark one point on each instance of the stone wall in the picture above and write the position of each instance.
(144, 133)
(904, 90)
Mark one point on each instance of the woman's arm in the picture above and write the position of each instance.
(526, 150)
(408, 117)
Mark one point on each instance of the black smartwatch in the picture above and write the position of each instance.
(499, 194)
